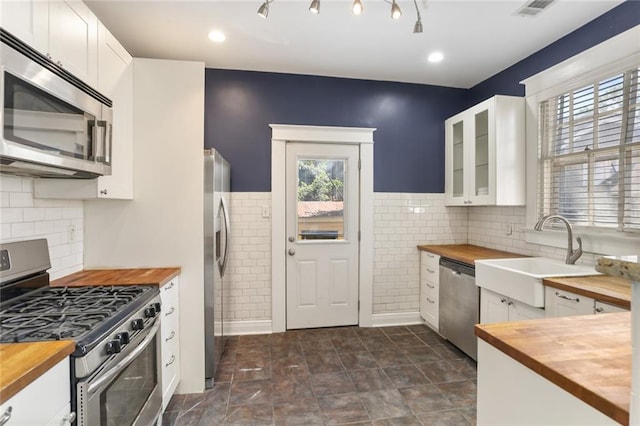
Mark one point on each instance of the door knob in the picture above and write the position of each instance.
(291, 239)
(291, 252)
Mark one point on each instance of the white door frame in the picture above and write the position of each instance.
(280, 135)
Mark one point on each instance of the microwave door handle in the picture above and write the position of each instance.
(94, 140)
(102, 142)
(108, 141)
(116, 369)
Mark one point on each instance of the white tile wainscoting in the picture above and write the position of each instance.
(61, 222)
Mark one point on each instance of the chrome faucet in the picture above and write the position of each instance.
(572, 255)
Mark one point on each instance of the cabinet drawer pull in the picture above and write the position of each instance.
(171, 336)
(599, 310)
(170, 286)
(103, 192)
(503, 300)
(430, 256)
(6, 416)
(171, 361)
(571, 299)
(430, 301)
(431, 271)
(170, 311)
(431, 285)
(509, 303)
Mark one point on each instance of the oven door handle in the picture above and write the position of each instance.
(107, 376)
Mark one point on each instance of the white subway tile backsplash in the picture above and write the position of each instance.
(23, 217)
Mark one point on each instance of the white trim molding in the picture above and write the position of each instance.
(396, 318)
(280, 135)
(239, 328)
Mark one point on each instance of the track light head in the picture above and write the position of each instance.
(357, 7)
(417, 28)
(395, 10)
(263, 11)
(315, 6)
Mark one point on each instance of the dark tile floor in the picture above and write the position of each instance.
(332, 376)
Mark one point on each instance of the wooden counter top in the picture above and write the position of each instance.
(467, 253)
(614, 290)
(22, 363)
(155, 276)
(587, 356)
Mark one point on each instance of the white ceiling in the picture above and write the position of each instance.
(478, 38)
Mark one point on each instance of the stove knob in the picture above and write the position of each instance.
(137, 324)
(113, 347)
(123, 337)
(156, 306)
(150, 312)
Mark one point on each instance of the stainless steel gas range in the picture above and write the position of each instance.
(115, 377)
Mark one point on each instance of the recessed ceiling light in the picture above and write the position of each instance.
(435, 57)
(217, 36)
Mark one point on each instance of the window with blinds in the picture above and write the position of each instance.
(589, 154)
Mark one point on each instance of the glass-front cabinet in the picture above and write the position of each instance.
(485, 154)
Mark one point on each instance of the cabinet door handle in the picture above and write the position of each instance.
(571, 299)
(103, 192)
(431, 285)
(171, 336)
(431, 271)
(170, 311)
(171, 361)
(6, 416)
(430, 301)
(503, 300)
(510, 303)
(599, 310)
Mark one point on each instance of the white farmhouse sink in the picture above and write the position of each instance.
(521, 278)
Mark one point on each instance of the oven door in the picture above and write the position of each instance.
(127, 391)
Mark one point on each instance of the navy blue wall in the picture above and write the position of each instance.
(409, 142)
(507, 82)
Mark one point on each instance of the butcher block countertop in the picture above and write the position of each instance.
(22, 363)
(467, 253)
(155, 276)
(614, 290)
(587, 356)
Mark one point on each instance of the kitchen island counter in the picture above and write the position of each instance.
(23, 363)
(587, 356)
(467, 253)
(134, 276)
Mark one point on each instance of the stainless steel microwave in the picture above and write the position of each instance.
(53, 124)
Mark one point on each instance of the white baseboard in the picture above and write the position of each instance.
(238, 328)
(396, 318)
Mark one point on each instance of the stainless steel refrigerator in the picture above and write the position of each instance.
(217, 191)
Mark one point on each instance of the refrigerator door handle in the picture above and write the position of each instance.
(227, 226)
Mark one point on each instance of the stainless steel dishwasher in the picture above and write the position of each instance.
(459, 304)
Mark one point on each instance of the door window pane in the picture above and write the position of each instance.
(320, 199)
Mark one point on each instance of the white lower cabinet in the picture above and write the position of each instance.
(561, 303)
(429, 288)
(170, 298)
(46, 401)
(495, 307)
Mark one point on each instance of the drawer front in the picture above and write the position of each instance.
(430, 259)
(429, 310)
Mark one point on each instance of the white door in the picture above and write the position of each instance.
(322, 234)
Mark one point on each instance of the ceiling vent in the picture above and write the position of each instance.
(533, 7)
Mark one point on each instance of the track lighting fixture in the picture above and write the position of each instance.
(315, 6)
(417, 28)
(395, 10)
(357, 7)
(263, 11)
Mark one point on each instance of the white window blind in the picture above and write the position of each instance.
(589, 153)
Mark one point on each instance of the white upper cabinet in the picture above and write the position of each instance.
(115, 80)
(485, 154)
(73, 34)
(65, 31)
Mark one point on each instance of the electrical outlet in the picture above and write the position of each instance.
(72, 233)
(508, 229)
(265, 211)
